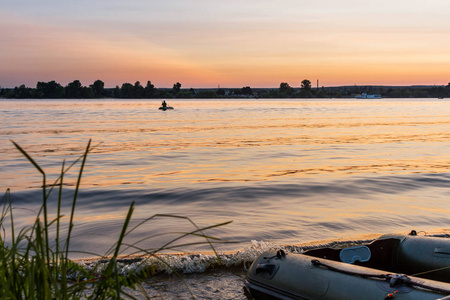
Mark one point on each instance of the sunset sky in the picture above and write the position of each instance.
(207, 43)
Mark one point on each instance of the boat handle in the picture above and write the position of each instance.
(266, 271)
(442, 250)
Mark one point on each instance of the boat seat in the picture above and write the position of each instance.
(353, 254)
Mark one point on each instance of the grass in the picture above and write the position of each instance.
(30, 268)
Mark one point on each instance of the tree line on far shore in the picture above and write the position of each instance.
(75, 90)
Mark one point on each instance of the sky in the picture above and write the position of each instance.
(232, 43)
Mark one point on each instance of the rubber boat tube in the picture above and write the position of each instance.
(409, 254)
(374, 271)
(422, 254)
(299, 276)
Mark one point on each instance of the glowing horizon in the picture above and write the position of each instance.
(205, 44)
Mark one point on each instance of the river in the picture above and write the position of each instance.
(284, 171)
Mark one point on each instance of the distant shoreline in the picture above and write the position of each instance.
(74, 90)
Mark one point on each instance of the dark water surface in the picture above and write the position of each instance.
(284, 171)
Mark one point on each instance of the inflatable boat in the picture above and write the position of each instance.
(396, 266)
(165, 107)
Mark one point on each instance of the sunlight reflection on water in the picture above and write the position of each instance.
(284, 170)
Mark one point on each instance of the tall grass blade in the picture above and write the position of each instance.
(44, 183)
(74, 202)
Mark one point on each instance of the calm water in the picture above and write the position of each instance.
(284, 171)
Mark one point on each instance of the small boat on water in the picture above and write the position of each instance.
(368, 96)
(395, 266)
(165, 107)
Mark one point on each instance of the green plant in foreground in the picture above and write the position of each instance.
(30, 268)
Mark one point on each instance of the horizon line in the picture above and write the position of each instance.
(255, 87)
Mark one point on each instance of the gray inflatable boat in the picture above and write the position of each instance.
(397, 267)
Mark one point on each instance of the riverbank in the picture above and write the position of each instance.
(75, 90)
(202, 276)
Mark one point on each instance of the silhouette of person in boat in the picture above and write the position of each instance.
(164, 104)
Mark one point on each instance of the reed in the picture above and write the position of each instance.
(30, 268)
